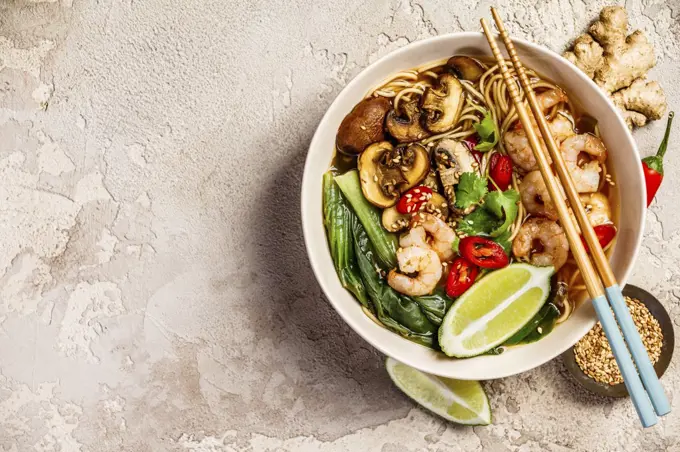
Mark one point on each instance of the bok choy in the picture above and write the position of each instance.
(384, 243)
(398, 313)
(337, 219)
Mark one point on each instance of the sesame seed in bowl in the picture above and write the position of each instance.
(591, 361)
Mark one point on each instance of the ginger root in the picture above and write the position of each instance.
(619, 65)
(641, 101)
(586, 54)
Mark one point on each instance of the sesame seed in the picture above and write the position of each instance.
(363, 127)
(375, 178)
(594, 354)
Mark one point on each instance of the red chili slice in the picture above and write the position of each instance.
(605, 234)
(500, 171)
(461, 276)
(483, 252)
(414, 199)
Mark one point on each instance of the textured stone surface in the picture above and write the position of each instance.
(154, 289)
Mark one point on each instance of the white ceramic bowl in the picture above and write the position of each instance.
(624, 160)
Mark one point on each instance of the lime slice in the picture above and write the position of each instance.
(494, 309)
(461, 401)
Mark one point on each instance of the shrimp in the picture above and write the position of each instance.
(597, 208)
(586, 175)
(416, 236)
(561, 128)
(516, 141)
(543, 242)
(550, 98)
(416, 259)
(535, 196)
(441, 235)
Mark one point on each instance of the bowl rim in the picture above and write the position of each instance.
(307, 220)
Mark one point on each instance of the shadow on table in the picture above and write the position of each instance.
(304, 325)
(572, 391)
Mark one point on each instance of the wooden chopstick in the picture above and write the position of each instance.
(590, 277)
(613, 291)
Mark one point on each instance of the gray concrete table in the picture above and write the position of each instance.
(154, 289)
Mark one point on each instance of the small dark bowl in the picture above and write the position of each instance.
(659, 312)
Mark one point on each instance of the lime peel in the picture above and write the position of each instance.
(462, 336)
(460, 401)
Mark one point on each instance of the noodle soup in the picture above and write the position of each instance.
(431, 145)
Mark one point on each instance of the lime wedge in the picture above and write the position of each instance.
(494, 309)
(461, 401)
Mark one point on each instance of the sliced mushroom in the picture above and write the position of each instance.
(404, 125)
(415, 164)
(452, 158)
(466, 68)
(394, 221)
(386, 171)
(379, 181)
(431, 180)
(363, 126)
(442, 104)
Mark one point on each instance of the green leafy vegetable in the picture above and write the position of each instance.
(503, 204)
(337, 219)
(544, 320)
(455, 243)
(470, 190)
(434, 306)
(398, 313)
(488, 133)
(504, 241)
(479, 222)
(385, 243)
(527, 329)
(494, 217)
(545, 326)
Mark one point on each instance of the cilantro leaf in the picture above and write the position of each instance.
(503, 204)
(470, 190)
(455, 243)
(488, 133)
(504, 241)
(494, 217)
(479, 222)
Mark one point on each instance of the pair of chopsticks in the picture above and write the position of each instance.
(593, 279)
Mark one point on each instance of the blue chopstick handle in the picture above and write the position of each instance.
(630, 376)
(637, 349)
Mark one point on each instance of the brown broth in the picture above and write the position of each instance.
(342, 163)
